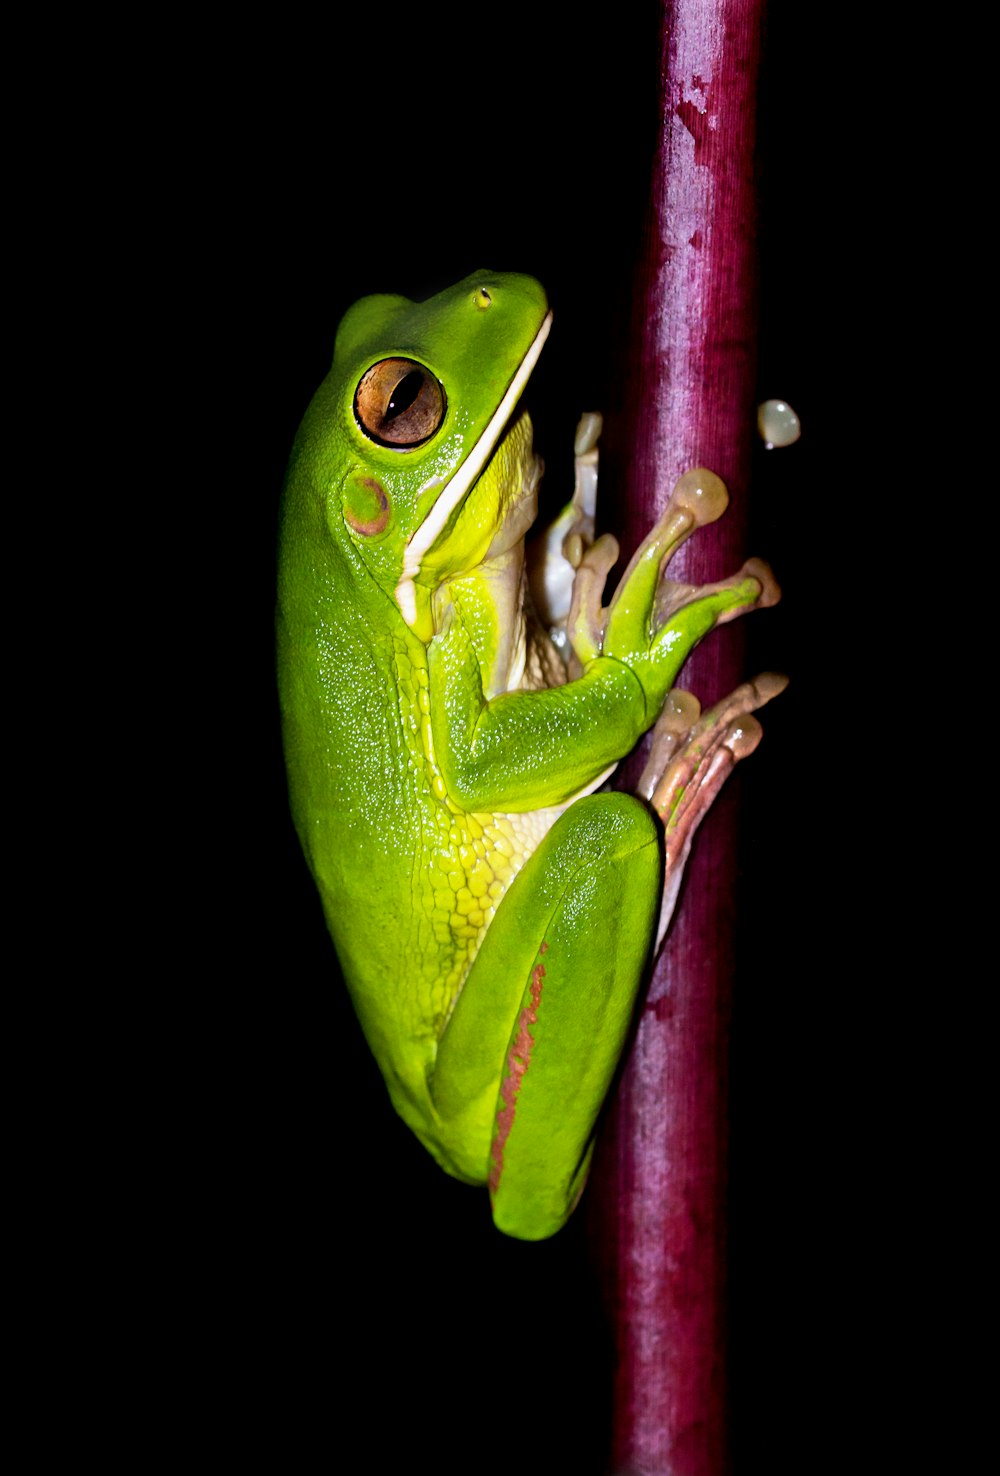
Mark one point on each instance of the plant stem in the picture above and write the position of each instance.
(686, 399)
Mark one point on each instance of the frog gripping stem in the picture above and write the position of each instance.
(691, 757)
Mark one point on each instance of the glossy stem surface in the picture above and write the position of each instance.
(687, 393)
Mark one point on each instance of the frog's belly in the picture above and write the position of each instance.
(457, 886)
(406, 950)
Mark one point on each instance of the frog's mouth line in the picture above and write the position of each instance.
(425, 535)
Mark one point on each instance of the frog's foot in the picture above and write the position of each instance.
(653, 622)
(700, 497)
(692, 756)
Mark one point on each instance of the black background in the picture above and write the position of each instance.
(329, 1286)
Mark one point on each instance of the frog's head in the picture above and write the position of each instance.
(428, 476)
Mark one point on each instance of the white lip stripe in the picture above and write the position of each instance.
(424, 536)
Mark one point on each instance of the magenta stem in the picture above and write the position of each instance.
(687, 400)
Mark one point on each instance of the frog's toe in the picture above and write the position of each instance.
(691, 759)
(588, 431)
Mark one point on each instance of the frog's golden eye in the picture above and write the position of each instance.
(399, 403)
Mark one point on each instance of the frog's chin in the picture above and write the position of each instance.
(495, 514)
(515, 471)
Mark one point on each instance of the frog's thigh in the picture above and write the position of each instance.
(547, 1005)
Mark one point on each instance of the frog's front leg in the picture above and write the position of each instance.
(532, 1045)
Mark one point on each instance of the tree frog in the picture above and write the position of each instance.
(449, 711)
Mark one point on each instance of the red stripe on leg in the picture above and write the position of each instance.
(518, 1060)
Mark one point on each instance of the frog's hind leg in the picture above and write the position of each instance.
(546, 1008)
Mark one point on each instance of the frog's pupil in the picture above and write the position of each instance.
(403, 395)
